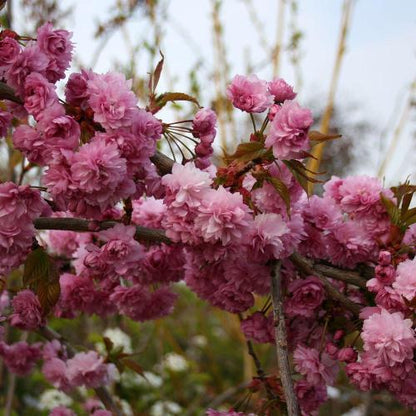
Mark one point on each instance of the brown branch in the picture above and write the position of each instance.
(346, 276)
(281, 342)
(7, 93)
(101, 392)
(149, 235)
(163, 163)
(306, 266)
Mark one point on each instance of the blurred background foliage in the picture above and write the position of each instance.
(197, 358)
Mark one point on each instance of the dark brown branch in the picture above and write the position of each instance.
(149, 235)
(306, 266)
(101, 392)
(7, 93)
(282, 350)
(163, 163)
(346, 276)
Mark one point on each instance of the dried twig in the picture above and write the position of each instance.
(281, 342)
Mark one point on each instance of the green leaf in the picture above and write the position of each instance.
(41, 275)
(281, 189)
(246, 152)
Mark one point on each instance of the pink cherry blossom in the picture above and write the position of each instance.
(249, 94)
(20, 358)
(288, 135)
(281, 91)
(307, 295)
(316, 368)
(56, 45)
(405, 284)
(27, 312)
(88, 369)
(112, 100)
(389, 337)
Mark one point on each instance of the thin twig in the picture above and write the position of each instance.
(10, 394)
(12, 385)
(281, 342)
(279, 37)
(227, 394)
(398, 130)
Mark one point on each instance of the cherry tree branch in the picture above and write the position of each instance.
(307, 267)
(282, 350)
(102, 393)
(163, 163)
(346, 276)
(149, 235)
(7, 93)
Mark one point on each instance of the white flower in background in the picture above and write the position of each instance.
(165, 408)
(53, 398)
(119, 339)
(175, 362)
(200, 341)
(127, 410)
(130, 379)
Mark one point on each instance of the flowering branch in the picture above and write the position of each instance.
(281, 342)
(77, 224)
(307, 267)
(101, 392)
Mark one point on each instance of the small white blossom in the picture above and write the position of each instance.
(165, 408)
(53, 398)
(175, 362)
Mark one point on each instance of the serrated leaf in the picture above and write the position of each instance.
(163, 99)
(246, 152)
(317, 136)
(281, 189)
(41, 275)
(133, 366)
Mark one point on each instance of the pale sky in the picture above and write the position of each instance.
(378, 67)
